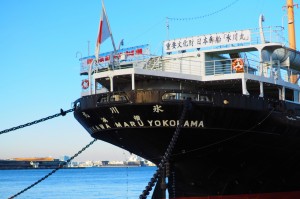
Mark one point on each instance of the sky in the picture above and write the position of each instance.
(41, 42)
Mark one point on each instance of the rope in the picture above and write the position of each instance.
(167, 154)
(62, 113)
(203, 16)
(54, 170)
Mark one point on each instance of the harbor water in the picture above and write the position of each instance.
(91, 183)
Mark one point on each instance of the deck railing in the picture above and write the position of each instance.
(191, 66)
(225, 66)
(272, 34)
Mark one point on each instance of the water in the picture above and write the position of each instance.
(90, 183)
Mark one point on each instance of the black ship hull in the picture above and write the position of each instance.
(229, 146)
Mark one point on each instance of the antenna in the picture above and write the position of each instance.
(88, 47)
(261, 32)
(168, 27)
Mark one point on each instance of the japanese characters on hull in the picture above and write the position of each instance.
(136, 121)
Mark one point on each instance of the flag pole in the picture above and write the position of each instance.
(110, 32)
(103, 33)
(90, 77)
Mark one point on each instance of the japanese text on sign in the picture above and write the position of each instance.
(123, 55)
(201, 41)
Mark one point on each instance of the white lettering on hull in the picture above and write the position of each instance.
(148, 124)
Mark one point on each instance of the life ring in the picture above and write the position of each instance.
(238, 65)
(85, 84)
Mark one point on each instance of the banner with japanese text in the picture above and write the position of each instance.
(123, 55)
(217, 39)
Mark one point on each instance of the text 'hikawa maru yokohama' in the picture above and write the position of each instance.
(105, 124)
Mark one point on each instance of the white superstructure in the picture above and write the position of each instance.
(255, 61)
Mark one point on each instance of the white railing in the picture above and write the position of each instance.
(225, 66)
(272, 34)
(265, 69)
(184, 65)
(218, 67)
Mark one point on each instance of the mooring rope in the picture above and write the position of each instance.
(62, 113)
(54, 170)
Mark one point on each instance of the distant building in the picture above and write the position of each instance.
(32, 163)
(65, 159)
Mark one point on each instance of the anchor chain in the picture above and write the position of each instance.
(62, 113)
(168, 152)
(54, 170)
(173, 185)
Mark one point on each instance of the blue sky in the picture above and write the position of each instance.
(39, 40)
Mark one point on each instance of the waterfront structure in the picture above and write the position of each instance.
(31, 163)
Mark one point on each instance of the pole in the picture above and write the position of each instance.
(88, 48)
(168, 27)
(111, 36)
(291, 29)
(291, 23)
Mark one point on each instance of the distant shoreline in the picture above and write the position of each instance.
(41, 168)
(98, 167)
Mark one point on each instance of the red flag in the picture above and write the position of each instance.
(104, 31)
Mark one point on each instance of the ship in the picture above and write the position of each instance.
(219, 114)
(135, 161)
(132, 161)
(31, 163)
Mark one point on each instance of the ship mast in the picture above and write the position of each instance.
(291, 23)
